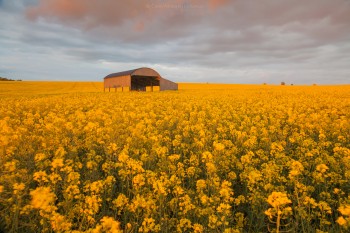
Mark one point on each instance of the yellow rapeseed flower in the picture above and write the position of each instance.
(201, 184)
(120, 201)
(42, 198)
(39, 157)
(218, 146)
(197, 228)
(108, 225)
(40, 176)
(341, 221)
(276, 199)
(59, 223)
(57, 163)
(322, 168)
(149, 225)
(18, 187)
(138, 181)
(345, 210)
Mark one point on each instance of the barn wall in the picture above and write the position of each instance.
(121, 81)
(167, 85)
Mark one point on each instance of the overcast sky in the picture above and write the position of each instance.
(221, 41)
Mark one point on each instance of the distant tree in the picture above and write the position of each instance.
(6, 79)
(283, 83)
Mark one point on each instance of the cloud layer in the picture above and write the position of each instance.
(235, 41)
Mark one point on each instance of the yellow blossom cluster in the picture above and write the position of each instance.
(344, 219)
(206, 158)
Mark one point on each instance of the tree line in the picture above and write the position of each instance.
(8, 79)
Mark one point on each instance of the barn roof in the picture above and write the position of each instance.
(131, 72)
(123, 73)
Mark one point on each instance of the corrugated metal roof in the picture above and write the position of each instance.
(123, 73)
(143, 71)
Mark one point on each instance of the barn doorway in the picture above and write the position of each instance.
(143, 83)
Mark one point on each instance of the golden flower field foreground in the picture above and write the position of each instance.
(236, 158)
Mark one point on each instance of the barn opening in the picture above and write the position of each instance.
(140, 83)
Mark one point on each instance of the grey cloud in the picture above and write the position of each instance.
(237, 41)
(16, 5)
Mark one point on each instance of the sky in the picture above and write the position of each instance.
(215, 41)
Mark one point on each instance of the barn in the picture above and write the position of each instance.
(140, 79)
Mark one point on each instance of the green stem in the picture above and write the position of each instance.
(278, 220)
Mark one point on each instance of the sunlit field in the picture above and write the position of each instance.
(15, 88)
(206, 158)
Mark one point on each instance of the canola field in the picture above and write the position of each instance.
(206, 158)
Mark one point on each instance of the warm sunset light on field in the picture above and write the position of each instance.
(193, 116)
(205, 158)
